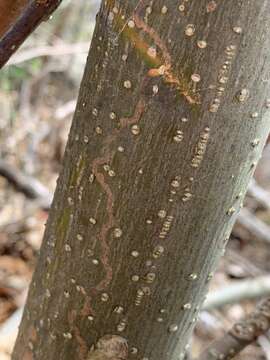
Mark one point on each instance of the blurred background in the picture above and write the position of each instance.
(38, 91)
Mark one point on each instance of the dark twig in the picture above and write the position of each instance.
(28, 185)
(31, 16)
(241, 335)
(9, 13)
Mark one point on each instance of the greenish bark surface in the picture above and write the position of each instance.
(172, 116)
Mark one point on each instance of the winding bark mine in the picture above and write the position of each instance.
(171, 119)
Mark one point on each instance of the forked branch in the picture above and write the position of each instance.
(241, 335)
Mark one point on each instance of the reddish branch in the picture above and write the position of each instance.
(9, 12)
(21, 22)
(241, 335)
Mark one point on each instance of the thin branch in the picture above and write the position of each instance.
(261, 195)
(55, 50)
(9, 12)
(254, 225)
(240, 290)
(249, 268)
(264, 343)
(65, 110)
(31, 16)
(241, 335)
(28, 185)
(9, 331)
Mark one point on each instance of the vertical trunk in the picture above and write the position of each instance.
(171, 120)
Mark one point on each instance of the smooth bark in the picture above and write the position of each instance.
(172, 116)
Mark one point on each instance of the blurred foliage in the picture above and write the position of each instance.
(12, 77)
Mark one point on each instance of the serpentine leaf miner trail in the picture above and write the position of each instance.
(165, 70)
(106, 159)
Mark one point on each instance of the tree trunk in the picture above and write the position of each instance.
(171, 120)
